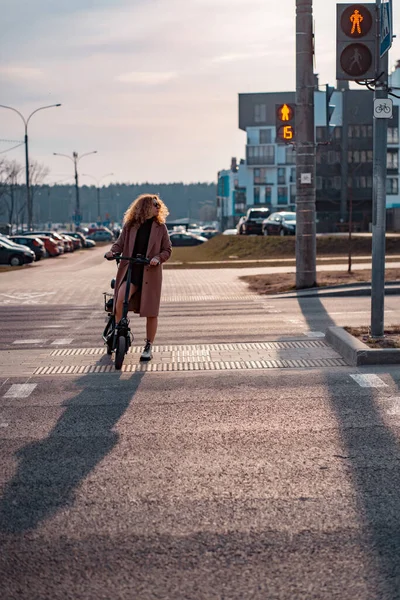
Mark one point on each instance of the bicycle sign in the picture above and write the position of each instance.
(383, 108)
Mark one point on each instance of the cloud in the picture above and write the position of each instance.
(147, 77)
(224, 58)
(16, 72)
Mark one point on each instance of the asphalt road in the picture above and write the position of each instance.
(239, 484)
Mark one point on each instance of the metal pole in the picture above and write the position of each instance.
(77, 206)
(28, 188)
(98, 203)
(379, 202)
(305, 148)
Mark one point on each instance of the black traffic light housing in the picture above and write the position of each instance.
(356, 42)
(285, 116)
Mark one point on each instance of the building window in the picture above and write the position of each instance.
(282, 195)
(337, 182)
(337, 133)
(392, 159)
(281, 176)
(333, 157)
(293, 175)
(265, 136)
(256, 195)
(268, 194)
(318, 182)
(393, 135)
(260, 113)
(260, 176)
(261, 155)
(320, 134)
(292, 194)
(392, 186)
(290, 155)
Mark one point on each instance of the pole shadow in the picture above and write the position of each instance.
(50, 470)
(372, 454)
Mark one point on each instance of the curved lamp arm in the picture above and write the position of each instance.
(65, 155)
(41, 108)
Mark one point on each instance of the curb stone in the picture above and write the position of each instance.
(356, 353)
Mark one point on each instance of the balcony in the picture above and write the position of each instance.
(261, 154)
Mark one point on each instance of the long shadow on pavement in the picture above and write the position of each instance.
(372, 453)
(51, 469)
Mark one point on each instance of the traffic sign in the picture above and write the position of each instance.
(383, 108)
(386, 27)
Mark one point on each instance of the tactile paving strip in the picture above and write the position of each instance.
(200, 349)
(290, 354)
(193, 366)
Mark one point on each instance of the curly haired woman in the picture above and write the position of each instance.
(144, 232)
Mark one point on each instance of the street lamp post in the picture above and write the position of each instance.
(75, 159)
(98, 189)
(26, 121)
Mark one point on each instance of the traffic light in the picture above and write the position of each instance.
(330, 108)
(356, 43)
(284, 122)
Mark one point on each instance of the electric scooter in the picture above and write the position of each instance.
(118, 336)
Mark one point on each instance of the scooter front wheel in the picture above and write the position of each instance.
(120, 352)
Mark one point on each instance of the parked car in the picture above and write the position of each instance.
(84, 230)
(251, 224)
(89, 243)
(78, 235)
(93, 228)
(34, 243)
(73, 244)
(75, 239)
(101, 236)
(230, 232)
(280, 223)
(14, 254)
(179, 238)
(53, 234)
(207, 233)
(51, 245)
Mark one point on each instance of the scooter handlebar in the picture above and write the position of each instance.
(133, 259)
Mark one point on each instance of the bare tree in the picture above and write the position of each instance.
(37, 174)
(10, 187)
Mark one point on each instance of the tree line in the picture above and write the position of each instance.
(55, 203)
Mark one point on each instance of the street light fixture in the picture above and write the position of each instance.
(75, 159)
(97, 180)
(26, 121)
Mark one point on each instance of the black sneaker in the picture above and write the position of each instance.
(147, 353)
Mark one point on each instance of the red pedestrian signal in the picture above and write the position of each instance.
(356, 41)
(284, 122)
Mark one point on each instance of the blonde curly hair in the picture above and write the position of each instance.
(141, 209)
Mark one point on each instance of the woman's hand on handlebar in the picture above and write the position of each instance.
(109, 255)
(155, 261)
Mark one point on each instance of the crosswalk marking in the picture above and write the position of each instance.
(314, 334)
(394, 410)
(20, 390)
(369, 380)
(62, 342)
(30, 342)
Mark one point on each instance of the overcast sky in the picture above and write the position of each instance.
(152, 85)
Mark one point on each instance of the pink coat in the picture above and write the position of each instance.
(147, 301)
